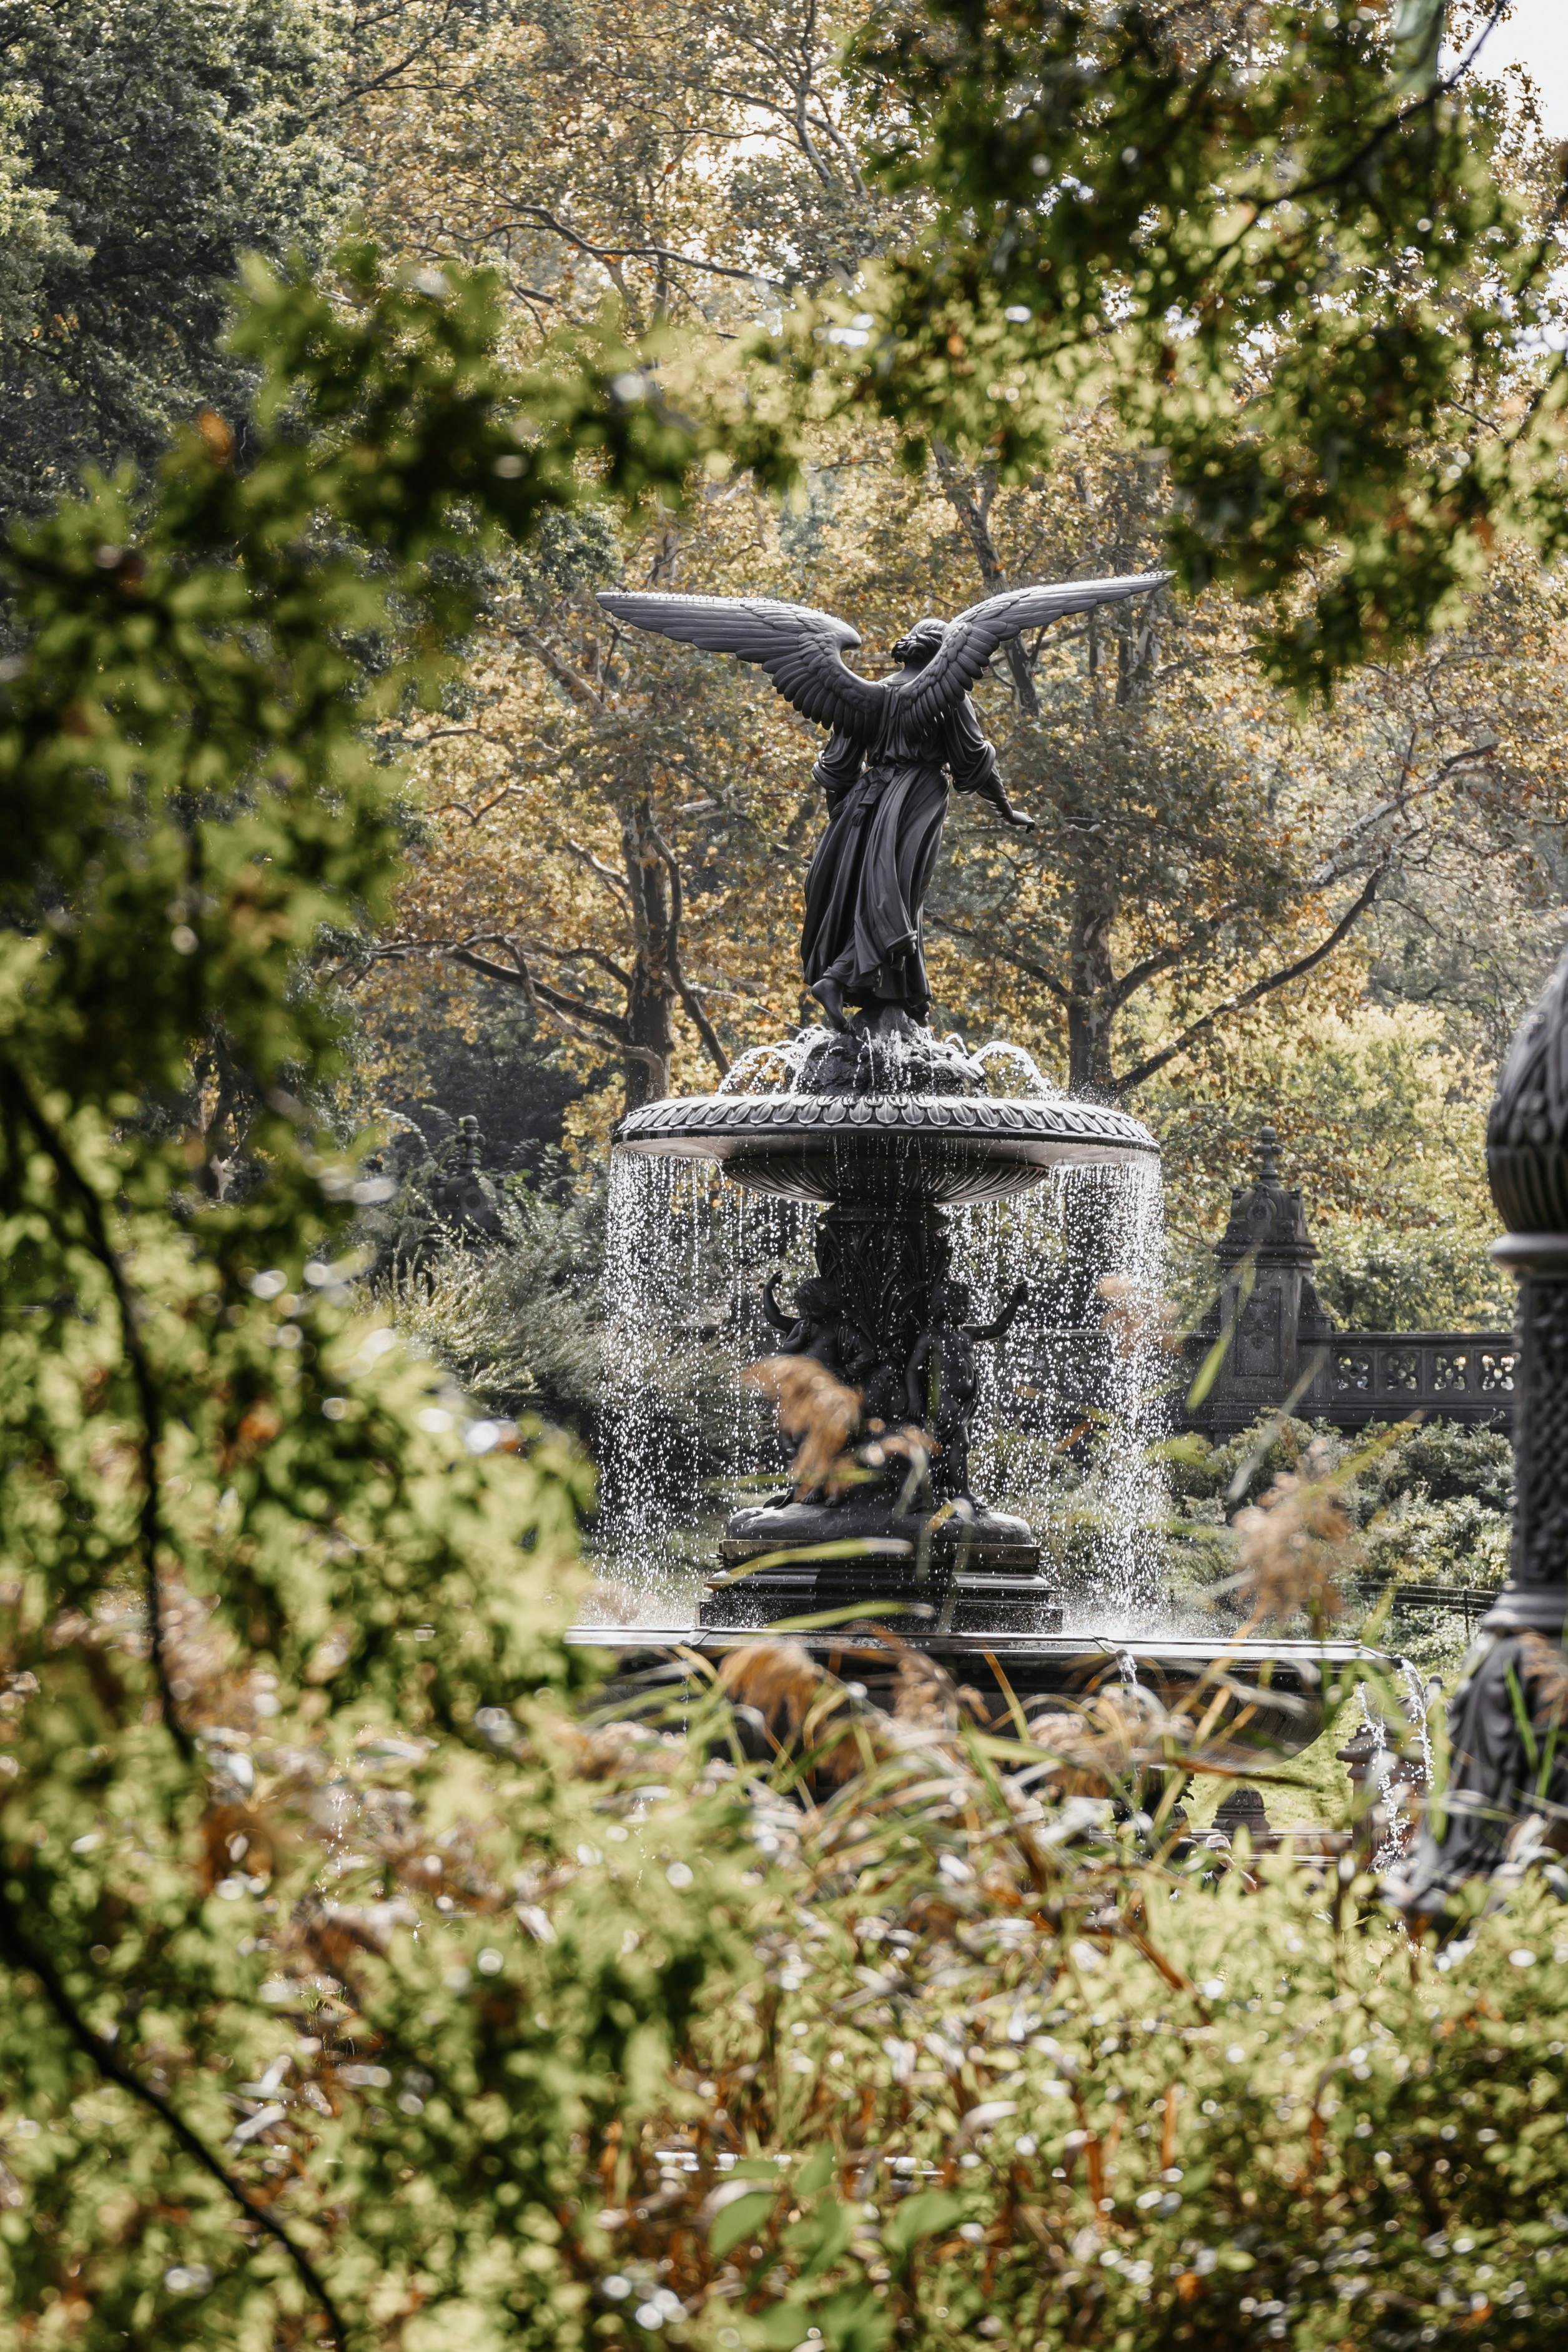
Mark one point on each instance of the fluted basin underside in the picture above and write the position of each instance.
(874, 1147)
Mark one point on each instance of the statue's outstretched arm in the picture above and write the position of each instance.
(972, 761)
(1003, 1323)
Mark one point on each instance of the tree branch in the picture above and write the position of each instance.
(560, 668)
(567, 1009)
(606, 874)
(672, 964)
(149, 1408)
(617, 253)
(23, 1955)
(1047, 979)
(960, 496)
(1259, 989)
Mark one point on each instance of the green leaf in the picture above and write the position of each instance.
(818, 2171)
(821, 2237)
(741, 2217)
(921, 2216)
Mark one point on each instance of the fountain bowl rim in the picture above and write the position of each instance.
(1047, 1129)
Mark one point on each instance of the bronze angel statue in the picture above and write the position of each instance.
(893, 745)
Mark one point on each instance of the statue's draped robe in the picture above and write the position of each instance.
(866, 884)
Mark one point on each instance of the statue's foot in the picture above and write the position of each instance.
(831, 997)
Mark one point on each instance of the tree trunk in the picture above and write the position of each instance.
(651, 1036)
(650, 999)
(1090, 1008)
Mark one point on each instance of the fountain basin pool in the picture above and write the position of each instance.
(1278, 1689)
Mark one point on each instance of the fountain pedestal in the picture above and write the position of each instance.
(886, 1125)
(975, 1574)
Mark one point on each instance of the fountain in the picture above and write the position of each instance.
(894, 1137)
(888, 1129)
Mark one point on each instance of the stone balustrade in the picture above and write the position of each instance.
(1281, 1351)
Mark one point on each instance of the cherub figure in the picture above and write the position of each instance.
(820, 1328)
(943, 1377)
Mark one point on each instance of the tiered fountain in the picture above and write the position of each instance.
(888, 1130)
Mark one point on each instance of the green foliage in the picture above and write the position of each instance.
(1427, 1503)
(1382, 1127)
(519, 1322)
(279, 1635)
(1425, 1281)
(166, 138)
(1071, 2095)
(1283, 264)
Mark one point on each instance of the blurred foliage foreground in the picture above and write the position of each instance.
(352, 1994)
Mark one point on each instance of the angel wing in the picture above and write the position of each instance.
(801, 649)
(973, 637)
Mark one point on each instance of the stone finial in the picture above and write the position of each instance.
(1268, 1221)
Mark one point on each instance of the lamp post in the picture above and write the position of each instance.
(1507, 1721)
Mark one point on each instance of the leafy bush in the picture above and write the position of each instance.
(1430, 1502)
(519, 1320)
(1003, 2071)
(286, 2046)
(1432, 1281)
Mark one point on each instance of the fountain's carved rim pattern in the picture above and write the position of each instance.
(841, 1147)
(703, 1126)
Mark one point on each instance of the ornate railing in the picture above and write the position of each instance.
(1364, 1376)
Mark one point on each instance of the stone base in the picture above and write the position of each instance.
(976, 1575)
(1287, 1683)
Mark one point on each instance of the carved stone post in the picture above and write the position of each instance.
(1267, 1303)
(1508, 1724)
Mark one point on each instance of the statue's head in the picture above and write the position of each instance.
(916, 647)
(816, 1299)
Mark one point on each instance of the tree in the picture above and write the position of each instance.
(280, 1624)
(151, 144)
(586, 846)
(1204, 843)
(1320, 274)
(696, 158)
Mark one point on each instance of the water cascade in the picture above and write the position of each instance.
(1009, 1243)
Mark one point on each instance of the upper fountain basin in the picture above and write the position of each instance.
(880, 1150)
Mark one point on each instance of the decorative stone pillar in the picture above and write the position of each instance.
(1517, 1674)
(1267, 1303)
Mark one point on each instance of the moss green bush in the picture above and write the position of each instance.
(1428, 1503)
(289, 2052)
(1001, 2073)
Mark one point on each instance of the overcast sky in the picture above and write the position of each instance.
(1537, 36)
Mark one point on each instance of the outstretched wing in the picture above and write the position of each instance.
(801, 649)
(974, 637)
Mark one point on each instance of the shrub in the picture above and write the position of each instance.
(288, 2047)
(1430, 1502)
(1007, 2072)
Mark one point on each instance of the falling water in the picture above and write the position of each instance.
(1069, 1399)
(1402, 1797)
(684, 1440)
(1035, 1086)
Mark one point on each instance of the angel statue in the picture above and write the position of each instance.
(894, 744)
